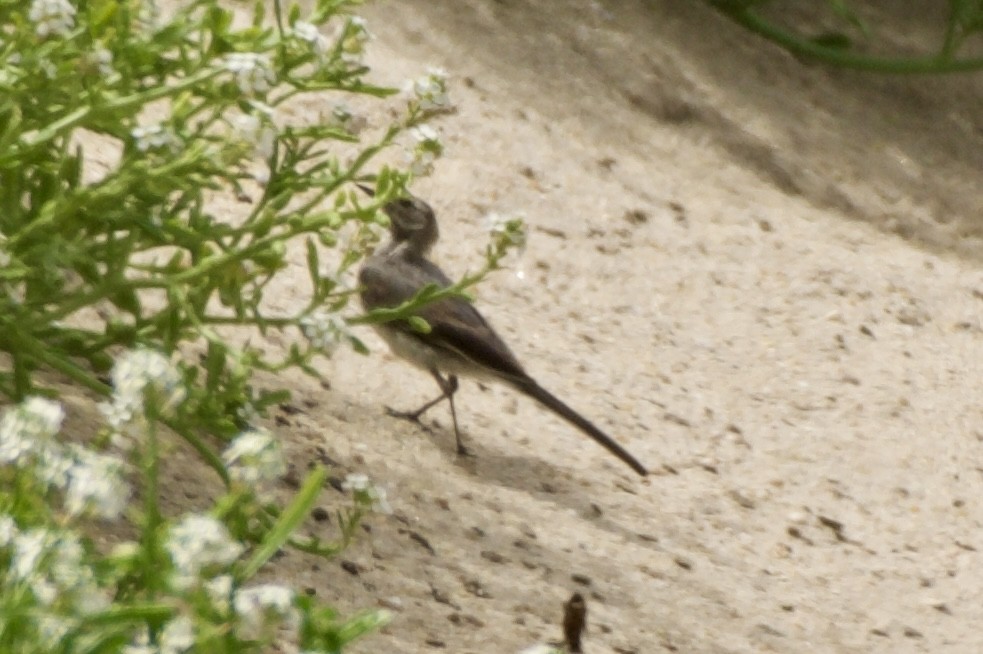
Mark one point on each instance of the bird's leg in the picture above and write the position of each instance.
(414, 416)
(450, 387)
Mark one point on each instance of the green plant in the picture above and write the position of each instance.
(129, 274)
(837, 47)
(184, 582)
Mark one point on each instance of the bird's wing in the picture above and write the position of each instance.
(456, 327)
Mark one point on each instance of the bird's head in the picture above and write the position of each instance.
(411, 220)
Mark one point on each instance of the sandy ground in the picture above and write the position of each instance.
(763, 277)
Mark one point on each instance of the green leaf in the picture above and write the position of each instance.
(363, 624)
(126, 299)
(313, 262)
(418, 324)
(832, 40)
(288, 522)
(841, 9)
(358, 345)
(215, 365)
(102, 14)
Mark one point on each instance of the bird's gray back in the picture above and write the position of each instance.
(388, 280)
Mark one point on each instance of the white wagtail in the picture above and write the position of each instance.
(460, 341)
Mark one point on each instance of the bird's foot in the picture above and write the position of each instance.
(412, 416)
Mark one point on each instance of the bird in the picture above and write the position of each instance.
(460, 341)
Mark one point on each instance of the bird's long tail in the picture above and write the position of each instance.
(553, 403)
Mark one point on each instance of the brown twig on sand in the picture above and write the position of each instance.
(574, 622)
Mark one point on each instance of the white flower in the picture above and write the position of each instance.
(428, 147)
(141, 644)
(254, 457)
(140, 370)
(508, 227)
(8, 530)
(5, 258)
(380, 502)
(421, 163)
(356, 481)
(149, 16)
(52, 17)
(263, 608)
(346, 120)
(252, 130)
(101, 61)
(496, 222)
(135, 373)
(52, 565)
(323, 329)
(52, 630)
(219, 591)
(424, 134)
(117, 414)
(53, 464)
(253, 72)
(430, 90)
(262, 176)
(541, 649)
(366, 492)
(307, 32)
(257, 130)
(197, 543)
(27, 427)
(49, 68)
(177, 636)
(69, 573)
(96, 485)
(154, 137)
(29, 547)
(355, 36)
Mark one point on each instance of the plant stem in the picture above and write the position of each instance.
(844, 58)
(151, 508)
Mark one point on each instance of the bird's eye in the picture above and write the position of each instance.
(404, 203)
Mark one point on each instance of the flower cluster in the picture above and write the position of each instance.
(355, 35)
(366, 493)
(176, 637)
(154, 137)
(29, 425)
(137, 375)
(507, 228)
(323, 330)
(256, 129)
(311, 35)
(425, 151)
(254, 458)
(50, 565)
(346, 120)
(100, 61)
(52, 17)
(264, 608)
(253, 72)
(193, 89)
(92, 483)
(430, 90)
(199, 545)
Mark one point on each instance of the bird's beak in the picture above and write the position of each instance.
(369, 191)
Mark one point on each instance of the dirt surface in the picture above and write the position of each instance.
(763, 277)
